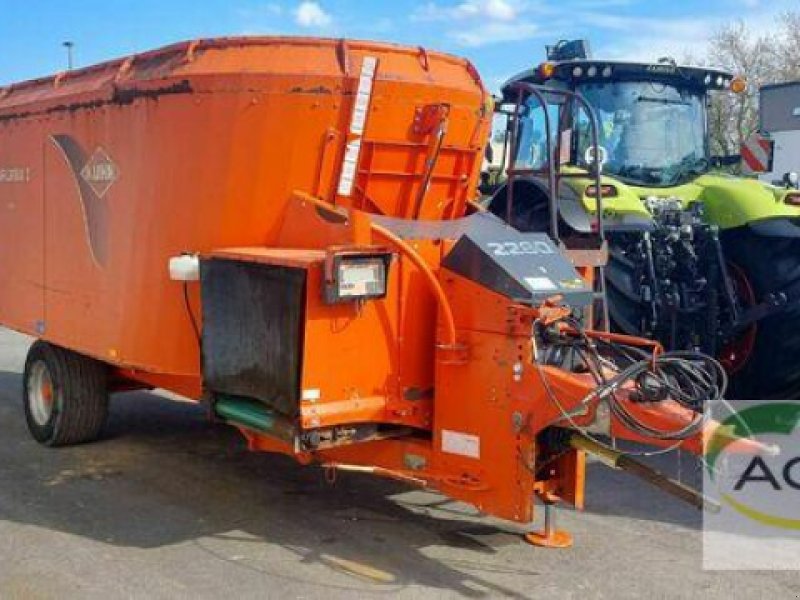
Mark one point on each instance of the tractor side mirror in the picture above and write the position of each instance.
(791, 180)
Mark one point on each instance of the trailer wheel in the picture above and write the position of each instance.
(65, 395)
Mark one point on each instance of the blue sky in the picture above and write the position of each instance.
(501, 37)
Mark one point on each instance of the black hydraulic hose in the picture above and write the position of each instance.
(690, 378)
(651, 272)
(730, 296)
(192, 317)
(430, 164)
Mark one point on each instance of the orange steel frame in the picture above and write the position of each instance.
(236, 149)
(483, 380)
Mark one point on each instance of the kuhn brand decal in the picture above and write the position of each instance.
(94, 175)
(99, 172)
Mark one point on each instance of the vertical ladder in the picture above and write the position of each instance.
(590, 262)
(588, 252)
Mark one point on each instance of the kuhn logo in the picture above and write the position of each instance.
(100, 172)
(94, 175)
(765, 487)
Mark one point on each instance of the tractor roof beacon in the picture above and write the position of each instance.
(698, 259)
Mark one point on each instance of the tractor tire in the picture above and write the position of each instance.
(625, 308)
(530, 212)
(770, 368)
(65, 395)
(772, 265)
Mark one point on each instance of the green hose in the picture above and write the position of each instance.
(252, 414)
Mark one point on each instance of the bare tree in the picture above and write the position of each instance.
(760, 59)
(733, 117)
(787, 50)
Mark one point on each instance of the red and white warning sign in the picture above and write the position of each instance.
(757, 151)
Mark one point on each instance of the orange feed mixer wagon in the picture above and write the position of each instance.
(284, 228)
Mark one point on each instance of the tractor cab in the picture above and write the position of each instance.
(613, 159)
(652, 117)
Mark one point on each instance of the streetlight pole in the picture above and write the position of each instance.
(69, 46)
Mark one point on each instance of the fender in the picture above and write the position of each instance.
(571, 209)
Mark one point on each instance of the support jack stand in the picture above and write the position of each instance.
(550, 537)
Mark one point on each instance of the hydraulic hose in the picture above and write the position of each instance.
(430, 278)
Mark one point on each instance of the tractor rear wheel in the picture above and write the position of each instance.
(771, 265)
(65, 395)
(762, 361)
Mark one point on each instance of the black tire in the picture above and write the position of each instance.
(771, 264)
(77, 387)
(625, 308)
(531, 211)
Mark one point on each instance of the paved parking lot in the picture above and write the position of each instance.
(171, 506)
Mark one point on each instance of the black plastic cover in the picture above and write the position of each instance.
(253, 331)
(525, 267)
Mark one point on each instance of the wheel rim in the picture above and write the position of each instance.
(41, 395)
(737, 352)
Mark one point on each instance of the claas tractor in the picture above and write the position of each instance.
(695, 258)
(284, 229)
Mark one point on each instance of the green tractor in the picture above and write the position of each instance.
(695, 258)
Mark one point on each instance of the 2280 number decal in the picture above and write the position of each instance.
(519, 248)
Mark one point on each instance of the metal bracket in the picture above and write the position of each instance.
(774, 304)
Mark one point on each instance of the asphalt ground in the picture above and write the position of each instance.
(169, 505)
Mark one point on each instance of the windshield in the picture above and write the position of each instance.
(532, 142)
(652, 134)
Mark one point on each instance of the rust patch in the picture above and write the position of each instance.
(129, 95)
(319, 90)
(331, 216)
(414, 394)
(119, 98)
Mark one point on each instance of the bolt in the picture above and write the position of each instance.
(518, 421)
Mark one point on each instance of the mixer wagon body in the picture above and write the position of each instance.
(332, 290)
(111, 170)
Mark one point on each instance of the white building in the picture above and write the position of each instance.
(780, 118)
